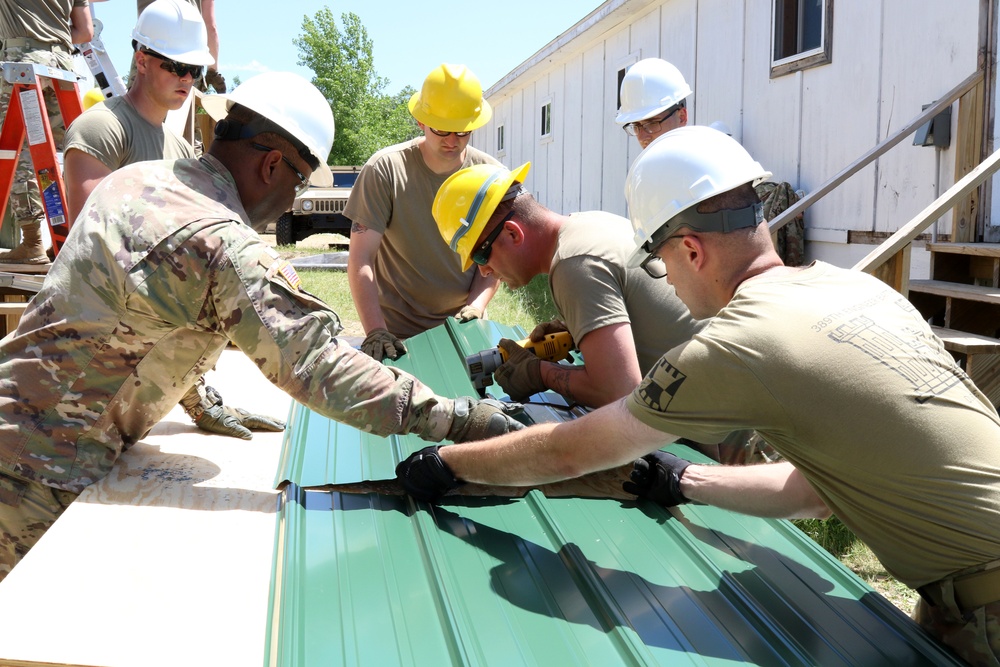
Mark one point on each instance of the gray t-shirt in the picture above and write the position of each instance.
(592, 288)
(420, 279)
(44, 20)
(841, 375)
(115, 133)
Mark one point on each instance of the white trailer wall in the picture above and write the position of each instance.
(889, 57)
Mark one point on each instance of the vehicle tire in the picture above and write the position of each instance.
(283, 232)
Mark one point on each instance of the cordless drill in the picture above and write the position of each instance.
(554, 347)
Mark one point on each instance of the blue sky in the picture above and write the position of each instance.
(410, 38)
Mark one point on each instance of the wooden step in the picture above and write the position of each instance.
(10, 315)
(957, 290)
(965, 342)
(978, 249)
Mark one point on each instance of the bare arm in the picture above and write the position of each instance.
(484, 288)
(81, 25)
(603, 439)
(775, 490)
(208, 16)
(611, 370)
(81, 174)
(361, 276)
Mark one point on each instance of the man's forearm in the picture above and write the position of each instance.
(774, 490)
(482, 291)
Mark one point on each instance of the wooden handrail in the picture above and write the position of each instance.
(941, 205)
(811, 198)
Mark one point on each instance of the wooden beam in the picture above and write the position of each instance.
(934, 211)
(811, 198)
(968, 153)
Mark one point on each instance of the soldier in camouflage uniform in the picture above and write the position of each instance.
(41, 32)
(161, 271)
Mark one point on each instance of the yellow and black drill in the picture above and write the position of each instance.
(554, 347)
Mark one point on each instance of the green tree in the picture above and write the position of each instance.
(344, 67)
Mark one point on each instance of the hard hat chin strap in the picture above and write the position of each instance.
(725, 221)
(228, 129)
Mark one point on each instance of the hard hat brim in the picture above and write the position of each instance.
(516, 175)
(449, 124)
(218, 106)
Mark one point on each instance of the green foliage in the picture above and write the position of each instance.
(344, 67)
(830, 534)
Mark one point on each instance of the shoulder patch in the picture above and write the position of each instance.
(288, 271)
(660, 385)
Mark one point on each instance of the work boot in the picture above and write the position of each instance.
(30, 254)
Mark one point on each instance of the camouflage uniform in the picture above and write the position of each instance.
(974, 634)
(160, 272)
(790, 242)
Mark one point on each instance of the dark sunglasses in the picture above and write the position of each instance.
(174, 67)
(445, 134)
(303, 181)
(481, 255)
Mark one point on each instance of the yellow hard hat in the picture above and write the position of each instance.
(451, 100)
(466, 202)
(92, 97)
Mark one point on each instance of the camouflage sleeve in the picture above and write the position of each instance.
(292, 337)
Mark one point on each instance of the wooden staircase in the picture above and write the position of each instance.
(961, 300)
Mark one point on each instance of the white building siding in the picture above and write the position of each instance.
(889, 57)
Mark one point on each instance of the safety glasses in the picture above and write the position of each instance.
(174, 67)
(654, 266)
(481, 255)
(445, 134)
(649, 126)
(303, 181)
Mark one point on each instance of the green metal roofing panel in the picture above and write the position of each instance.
(381, 580)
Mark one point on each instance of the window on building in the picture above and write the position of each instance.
(546, 127)
(802, 35)
(501, 146)
(621, 77)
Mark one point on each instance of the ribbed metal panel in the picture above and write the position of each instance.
(379, 580)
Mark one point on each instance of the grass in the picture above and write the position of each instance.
(533, 304)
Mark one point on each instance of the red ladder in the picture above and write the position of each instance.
(26, 116)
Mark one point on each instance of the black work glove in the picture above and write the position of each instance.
(425, 476)
(481, 419)
(469, 313)
(234, 422)
(521, 375)
(657, 477)
(380, 344)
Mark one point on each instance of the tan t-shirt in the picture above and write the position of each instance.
(592, 288)
(115, 133)
(844, 378)
(420, 279)
(44, 20)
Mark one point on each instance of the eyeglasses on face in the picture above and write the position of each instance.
(445, 134)
(303, 181)
(174, 67)
(654, 266)
(481, 255)
(649, 126)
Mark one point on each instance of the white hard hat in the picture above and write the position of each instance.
(296, 110)
(721, 127)
(678, 170)
(650, 87)
(174, 28)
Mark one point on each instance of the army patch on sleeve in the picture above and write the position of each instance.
(288, 271)
(660, 385)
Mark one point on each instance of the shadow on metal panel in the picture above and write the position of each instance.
(384, 580)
